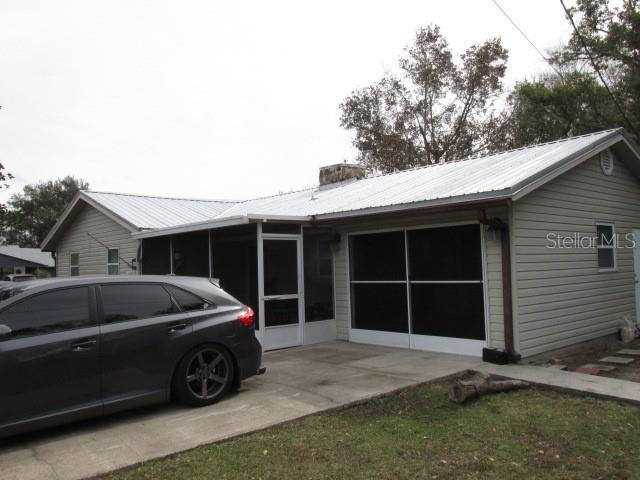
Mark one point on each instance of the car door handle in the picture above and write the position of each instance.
(176, 327)
(84, 345)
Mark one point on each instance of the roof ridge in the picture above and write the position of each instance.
(208, 200)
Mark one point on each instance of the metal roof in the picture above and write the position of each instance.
(505, 175)
(33, 255)
(485, 176)
(144, 212)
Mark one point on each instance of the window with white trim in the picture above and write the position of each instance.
(113, 261)
(606, 247)
(74, 262)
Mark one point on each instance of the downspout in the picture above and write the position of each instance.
(507, 294)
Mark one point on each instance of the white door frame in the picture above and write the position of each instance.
(284, 335)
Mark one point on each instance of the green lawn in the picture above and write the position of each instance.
(418, 433)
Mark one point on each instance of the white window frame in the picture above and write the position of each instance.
(607, 247)
(72, 265)
(114, 264)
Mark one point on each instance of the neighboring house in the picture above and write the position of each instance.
(451, 257)
(15, 259)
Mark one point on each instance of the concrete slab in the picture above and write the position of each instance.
(298, 382)
(612, 388)
(629, 351)
(617, 360)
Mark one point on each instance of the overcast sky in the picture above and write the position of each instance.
(211, 99)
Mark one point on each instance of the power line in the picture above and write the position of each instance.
(595, 66)
(528, 39)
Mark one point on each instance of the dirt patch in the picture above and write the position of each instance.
(592, 355)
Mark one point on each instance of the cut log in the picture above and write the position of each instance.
(481, 384)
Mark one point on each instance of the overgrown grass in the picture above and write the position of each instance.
(418, 433)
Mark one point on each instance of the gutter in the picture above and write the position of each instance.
(507, 293)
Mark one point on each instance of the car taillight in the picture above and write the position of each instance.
(247, 317)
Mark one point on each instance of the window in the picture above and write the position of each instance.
(379, 282)
(156, 256)
(445, 254)
(318, 275)
(187, 301)
(48, 313)
(191, 254)
(74, 261)
(445, 275)
(378, 257)
(134, 301)
(441, 294)
(280, 267)
(234, 252)
(113, 260)
(606, 247)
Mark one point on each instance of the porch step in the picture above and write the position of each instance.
(629, 351)
(617, 360)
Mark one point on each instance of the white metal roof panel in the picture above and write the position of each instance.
(501, 172)
(145, 212)
(499, 175)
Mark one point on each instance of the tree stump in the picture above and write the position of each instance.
(481, 384)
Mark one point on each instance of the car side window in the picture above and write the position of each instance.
(188, 301)
(122, 302)
(49, 312)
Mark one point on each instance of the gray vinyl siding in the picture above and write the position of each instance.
(93, 256)
(493, 258)
(561, 298)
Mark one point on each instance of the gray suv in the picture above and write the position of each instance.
(81, 347)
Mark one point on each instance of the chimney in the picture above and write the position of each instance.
(340, 172)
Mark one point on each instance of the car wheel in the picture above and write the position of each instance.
(204, 376)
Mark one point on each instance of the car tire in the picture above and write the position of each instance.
(203, 376)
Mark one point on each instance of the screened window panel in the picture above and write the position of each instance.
(449, 253)
(318, 275)
(381, 307)
(280, 267)
(235, 262)
(281, 312)
(377, 256)
(191, 254)
(156, 259)
(448, 310)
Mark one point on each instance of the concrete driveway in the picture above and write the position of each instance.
(298, 382)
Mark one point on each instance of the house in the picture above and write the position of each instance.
(20, 260)
(512, 251)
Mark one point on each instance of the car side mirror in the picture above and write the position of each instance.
(5, 332)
